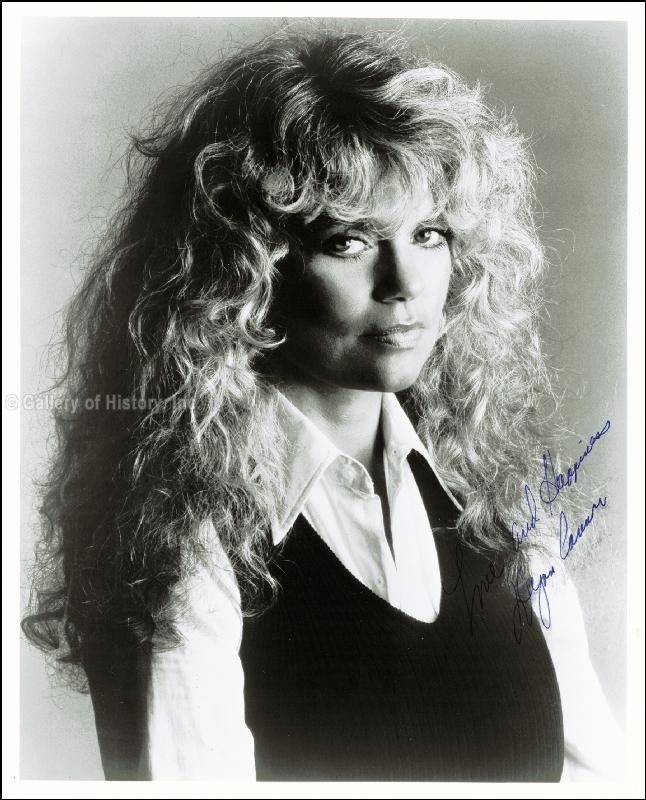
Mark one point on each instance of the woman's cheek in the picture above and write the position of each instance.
(334, 302)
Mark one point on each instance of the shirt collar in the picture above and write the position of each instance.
(309, 453)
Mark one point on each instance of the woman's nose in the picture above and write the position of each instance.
(397, 277)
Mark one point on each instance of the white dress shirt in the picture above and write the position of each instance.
(336, 495)
(196, 722)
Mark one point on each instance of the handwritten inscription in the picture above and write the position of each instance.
(551, 486)
(520, 533)
(554, 483)
(474, 596)
(535, 588)
(479, 589)
(569, 541)
(523, 612)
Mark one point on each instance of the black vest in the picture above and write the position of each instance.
(340, 685)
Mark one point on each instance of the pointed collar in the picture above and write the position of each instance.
(310, 453)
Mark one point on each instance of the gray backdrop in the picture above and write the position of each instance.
(85, 82)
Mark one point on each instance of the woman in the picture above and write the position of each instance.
(283, 543)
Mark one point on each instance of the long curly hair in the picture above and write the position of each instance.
(170, 326)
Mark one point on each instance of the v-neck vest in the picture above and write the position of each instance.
(340, 685)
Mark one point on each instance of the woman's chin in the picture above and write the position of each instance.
(398, 383)
(393, 379)
(398, 374)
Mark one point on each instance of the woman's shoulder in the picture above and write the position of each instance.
(206, 600)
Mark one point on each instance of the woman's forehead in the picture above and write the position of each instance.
(394, 205)
(390, 208)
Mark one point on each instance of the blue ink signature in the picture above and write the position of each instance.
(523, 612)
(553, 483)
(567, 540)
(551, 486)
(479, 589)
(520, 534)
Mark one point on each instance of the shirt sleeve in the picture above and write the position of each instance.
(593, 738)
(195, 712)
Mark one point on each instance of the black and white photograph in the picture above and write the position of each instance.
(322, 402)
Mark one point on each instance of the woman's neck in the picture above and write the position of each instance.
(350, 418)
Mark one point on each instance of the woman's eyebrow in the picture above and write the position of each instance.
(325, 222)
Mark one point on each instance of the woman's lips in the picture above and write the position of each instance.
(400, 337)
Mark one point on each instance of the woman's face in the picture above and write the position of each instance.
(364, 312)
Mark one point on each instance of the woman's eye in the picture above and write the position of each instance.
(344, 246)
(430, 237)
